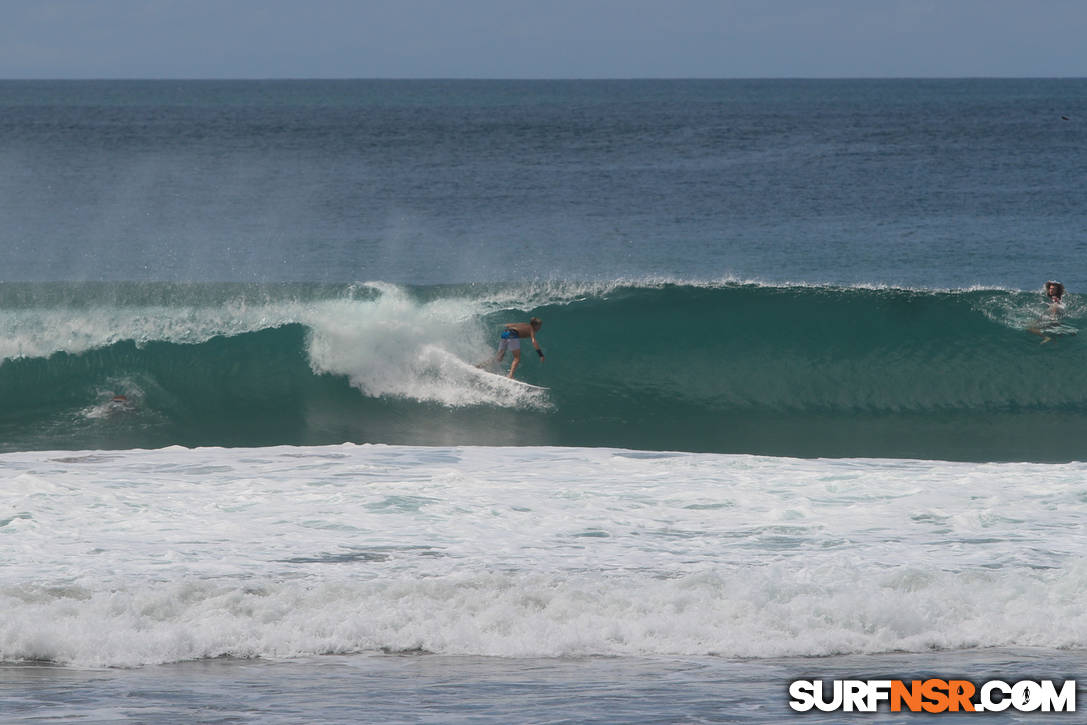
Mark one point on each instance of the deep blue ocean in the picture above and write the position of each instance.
(778, 284)
(928, 183)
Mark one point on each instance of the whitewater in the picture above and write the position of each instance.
(133, 558)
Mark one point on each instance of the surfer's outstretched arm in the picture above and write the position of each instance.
(537, 346)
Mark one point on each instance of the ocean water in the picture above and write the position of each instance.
(795, 422)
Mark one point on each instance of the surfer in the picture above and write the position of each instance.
(1054, 292)
(512, 333)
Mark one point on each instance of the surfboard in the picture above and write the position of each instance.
(1051, 331)
(496, 378)
(515, 381)
(1055, 329)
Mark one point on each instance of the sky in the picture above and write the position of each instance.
(542, 38)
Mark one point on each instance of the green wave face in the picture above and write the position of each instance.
(734, 368)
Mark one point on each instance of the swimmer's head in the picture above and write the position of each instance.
(1054, 289)
(536, 323)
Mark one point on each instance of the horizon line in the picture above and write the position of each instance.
(534, 78)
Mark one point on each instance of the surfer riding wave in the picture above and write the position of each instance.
(510, 339)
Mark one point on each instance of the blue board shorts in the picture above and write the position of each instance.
(510, 341)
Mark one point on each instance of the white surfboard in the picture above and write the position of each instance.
(486, 374)
(512, 380)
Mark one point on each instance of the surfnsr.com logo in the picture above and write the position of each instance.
(933, 695)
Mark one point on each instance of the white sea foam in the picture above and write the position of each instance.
(40, 332)
(133, 557)
(394, 345)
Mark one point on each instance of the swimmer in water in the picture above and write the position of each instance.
(1054, 292)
